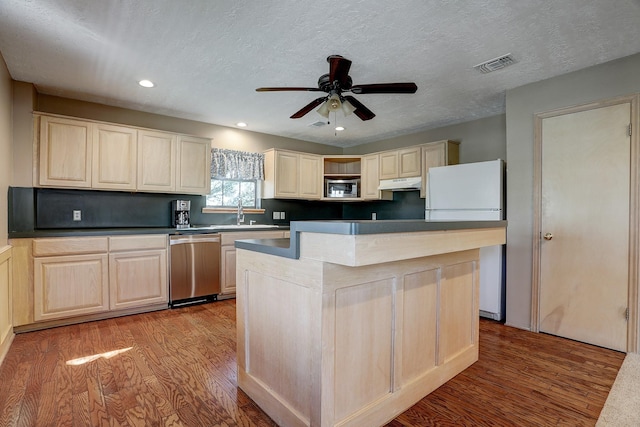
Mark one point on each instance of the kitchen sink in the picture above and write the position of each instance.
(231, 226)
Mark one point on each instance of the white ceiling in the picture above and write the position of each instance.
(207, 57)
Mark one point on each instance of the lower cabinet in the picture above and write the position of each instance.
(84, 276)
(228, 256)
(137, 274)
(70, 285)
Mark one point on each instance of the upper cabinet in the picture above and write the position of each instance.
(86, 154)
(400, 163)
(439, 153)
(65, 152)
(371, 179)
(291, 175)
(157, 161)
(194, 165)
(114, 157)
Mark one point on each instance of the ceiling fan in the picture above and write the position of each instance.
(337, 82)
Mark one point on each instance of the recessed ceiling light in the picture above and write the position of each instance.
(339, 128)
(146, 83)
(241, 124)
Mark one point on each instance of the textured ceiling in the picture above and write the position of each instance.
(207, 57)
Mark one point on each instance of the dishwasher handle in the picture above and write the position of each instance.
(185, 239)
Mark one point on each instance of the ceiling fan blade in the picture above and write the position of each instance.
(310, 106)
(361, 111)
(280, 89)
(339, 70)
(385, 88)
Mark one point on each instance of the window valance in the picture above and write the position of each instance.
(232, 164)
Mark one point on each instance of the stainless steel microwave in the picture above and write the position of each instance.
(342, 188)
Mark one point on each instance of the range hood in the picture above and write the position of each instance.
(401, 184)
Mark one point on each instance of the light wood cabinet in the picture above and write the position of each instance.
(86, 154)
(292, 175)
(74, 282)
(401, 163)
(89, 276)
(438, 153)
(65, 154)
(137, 271)
(371, 179)
(228, 256)
(114, 157)
(157, 153)
(228, 270)
(194, 165)
(309, 178)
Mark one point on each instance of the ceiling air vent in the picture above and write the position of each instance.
(495, 64)
(318, 124)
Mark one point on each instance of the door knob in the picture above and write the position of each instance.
(548, 236)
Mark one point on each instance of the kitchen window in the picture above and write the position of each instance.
(235, 178)
(226, 193)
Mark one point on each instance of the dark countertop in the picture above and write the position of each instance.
(290, 248)
(82, 232)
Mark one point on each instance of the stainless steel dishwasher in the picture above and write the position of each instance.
(195, 269)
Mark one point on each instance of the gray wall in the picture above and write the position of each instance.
(5, 147)
(616, 78)
(482, 139)
(223, 137)
(26, 101)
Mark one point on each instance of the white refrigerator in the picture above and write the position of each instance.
(474, 191)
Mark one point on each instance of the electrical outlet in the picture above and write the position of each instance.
(374, 216)
(77, 215)
(281, 215)
(276, 215)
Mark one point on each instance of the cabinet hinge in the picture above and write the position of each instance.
(629, 129)
(626, 314)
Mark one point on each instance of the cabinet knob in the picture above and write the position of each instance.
(548, 236)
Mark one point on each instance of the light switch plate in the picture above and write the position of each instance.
(77, 215)
(276, 215)
(281, 215)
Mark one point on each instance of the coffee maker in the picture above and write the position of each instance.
(180, 213)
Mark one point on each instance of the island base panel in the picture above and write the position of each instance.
(321, 344)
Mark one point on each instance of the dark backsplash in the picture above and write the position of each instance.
(40, 208)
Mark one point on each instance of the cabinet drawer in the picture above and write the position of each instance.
(69, 246)
(230, 238)
(140, 242)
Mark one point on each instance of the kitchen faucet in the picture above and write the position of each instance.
(240, 216)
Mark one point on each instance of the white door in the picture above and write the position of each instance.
(584, 265)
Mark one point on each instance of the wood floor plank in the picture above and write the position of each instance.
(178, 368)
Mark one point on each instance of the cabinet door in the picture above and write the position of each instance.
(409, 162)
(194, 165)
(65, 152)
(156, 161)
(66, 286)
(114, 157)
(389, 165)
(286, 174)
(138, 278)
(228, 270)
(309, 174)
(370, 177)
(440, 153)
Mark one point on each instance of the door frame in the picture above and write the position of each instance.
(633, 323)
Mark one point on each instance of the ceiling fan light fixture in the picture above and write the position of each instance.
(334, 103)
(324, 110)
(347, 107)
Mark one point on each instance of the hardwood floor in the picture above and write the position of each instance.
(177, 368)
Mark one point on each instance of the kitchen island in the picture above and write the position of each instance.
(349, 323)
